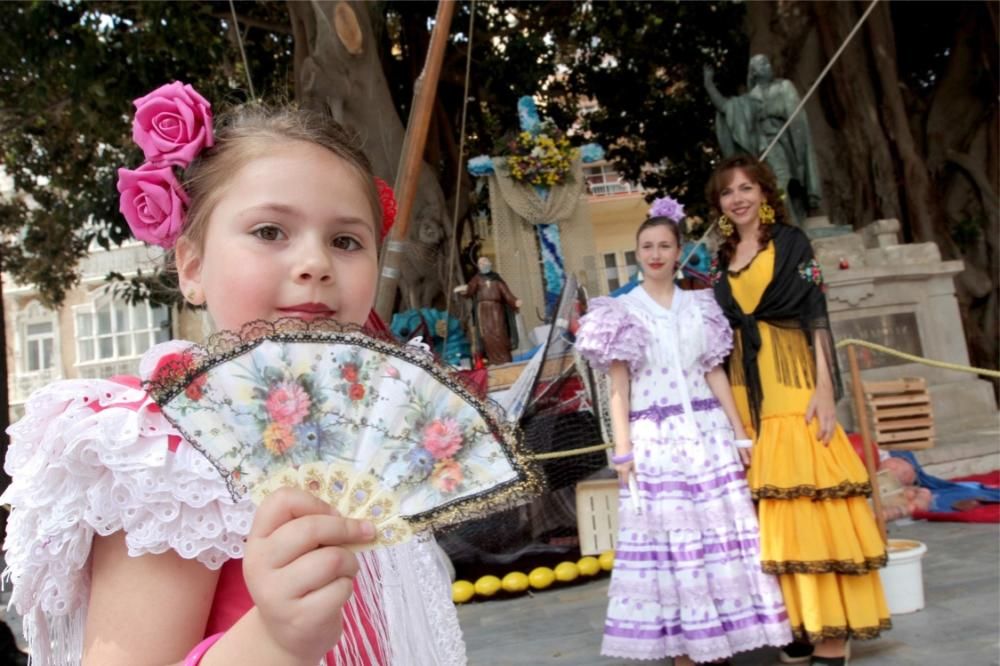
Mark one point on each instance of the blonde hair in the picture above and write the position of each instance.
(246, 133)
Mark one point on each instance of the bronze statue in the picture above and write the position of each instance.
(748, 123)
(493, 312)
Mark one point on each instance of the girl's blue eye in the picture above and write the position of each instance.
(268, 233)
(346, 243)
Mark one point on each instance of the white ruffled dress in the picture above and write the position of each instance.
(92, 457)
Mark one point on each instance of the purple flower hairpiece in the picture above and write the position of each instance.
(667, 207)
(172, 125)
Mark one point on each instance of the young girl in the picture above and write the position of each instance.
(687, 582)
(819, 535)
(123, 544)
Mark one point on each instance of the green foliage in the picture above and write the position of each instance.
(68, 74)
(69, 71)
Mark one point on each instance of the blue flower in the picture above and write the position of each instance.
(480, 166)
(420, 463)
(591, 152)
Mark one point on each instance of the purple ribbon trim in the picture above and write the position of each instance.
(660, 413)
(732, 549)
(611, 628)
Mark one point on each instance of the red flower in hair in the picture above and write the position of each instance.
(388, 200)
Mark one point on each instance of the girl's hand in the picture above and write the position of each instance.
(624, 469)
(298, 573)
(745, 456)
(822, 408)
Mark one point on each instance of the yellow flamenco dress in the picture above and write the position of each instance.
(818, 533)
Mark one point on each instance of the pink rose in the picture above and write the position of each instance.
(288, 404)
(446, 476)
(172, 124)
(153, 204)
(443, 438)
(356, 392)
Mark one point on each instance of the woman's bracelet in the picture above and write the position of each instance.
(195, 655)
(622, 459)
(743, 443)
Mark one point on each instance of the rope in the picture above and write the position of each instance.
(458, 176)
(843, 343)
(791, 117)
(919, 359)
(243, 54)
(822, 75)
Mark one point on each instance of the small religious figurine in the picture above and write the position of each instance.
(493, 312)
(748, 123)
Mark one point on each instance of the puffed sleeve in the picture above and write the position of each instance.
(718, 335)
(89, 458)
(610, 332)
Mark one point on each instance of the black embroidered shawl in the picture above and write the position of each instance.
(793, 301)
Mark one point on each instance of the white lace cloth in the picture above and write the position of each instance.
(79, 471)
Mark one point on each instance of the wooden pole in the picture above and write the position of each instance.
(866, 439)
(412, 157)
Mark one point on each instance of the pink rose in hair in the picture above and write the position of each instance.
(153, 204)
(172, 124)
(443, 438)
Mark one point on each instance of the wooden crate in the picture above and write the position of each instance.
(900, 413)
(597, 515)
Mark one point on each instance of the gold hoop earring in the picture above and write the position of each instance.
(766, 213)
(725, 226)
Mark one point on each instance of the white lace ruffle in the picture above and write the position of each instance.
(78, 472)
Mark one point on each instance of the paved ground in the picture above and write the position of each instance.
(960, 625)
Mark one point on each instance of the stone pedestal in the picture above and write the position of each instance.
(900, 296)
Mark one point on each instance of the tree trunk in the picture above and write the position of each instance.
(338, 70)
(930, 159)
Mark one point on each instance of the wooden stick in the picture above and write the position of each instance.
(412, 158)
(866, 440)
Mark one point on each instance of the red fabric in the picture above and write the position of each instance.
(233, 600)
(985, 513)
(477, 381)
(855, 439)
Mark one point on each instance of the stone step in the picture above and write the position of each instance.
(964, 446)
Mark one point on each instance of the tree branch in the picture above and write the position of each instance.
(254, 23)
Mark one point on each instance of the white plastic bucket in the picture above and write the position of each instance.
(903, 576)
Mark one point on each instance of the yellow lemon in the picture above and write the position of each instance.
(567, 572)
(462, 591)
(541, 577)
(607, 559)
(515, 581)
(588, 566)
(487, 586)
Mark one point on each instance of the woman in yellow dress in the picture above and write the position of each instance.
(818, 534)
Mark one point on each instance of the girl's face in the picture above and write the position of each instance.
(658, 252)
(291, 236)
(740, 200)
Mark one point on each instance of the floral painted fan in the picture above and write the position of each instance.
(380, 431)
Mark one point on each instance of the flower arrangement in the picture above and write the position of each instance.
(543, 159)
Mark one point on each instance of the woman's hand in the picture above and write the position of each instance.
(745, 456)
(298, 572)
(821, 407)
(624, 469)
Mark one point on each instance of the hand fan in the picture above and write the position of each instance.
(379, 430)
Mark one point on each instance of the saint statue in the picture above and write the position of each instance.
(748, 123)
(493, 313)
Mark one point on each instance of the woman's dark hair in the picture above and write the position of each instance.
(661, 221)
(759, 173)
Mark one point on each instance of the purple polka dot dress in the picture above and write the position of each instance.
(687, 578)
